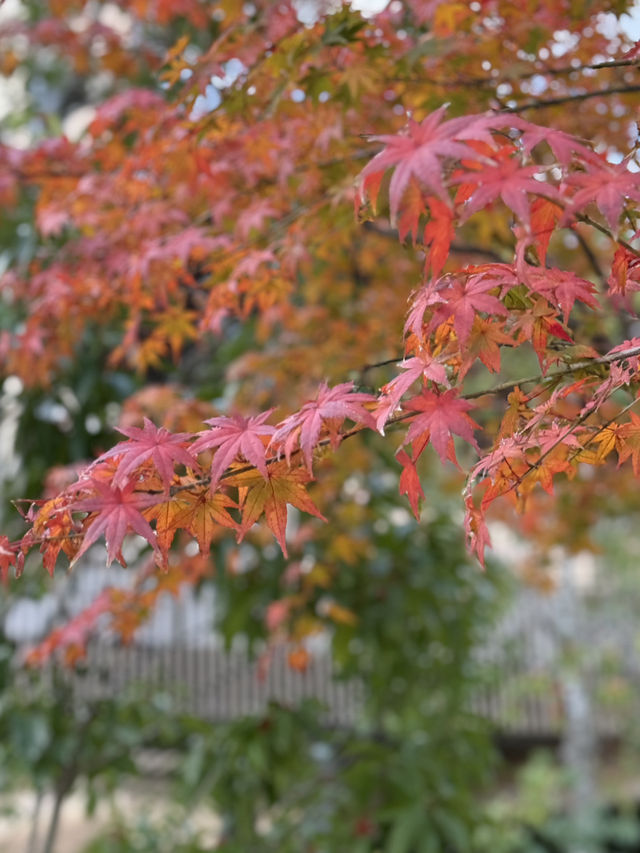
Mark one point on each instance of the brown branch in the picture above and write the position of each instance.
(567, 99)
(494, 81)
(609, 358)
(570, 69)
(455, 248)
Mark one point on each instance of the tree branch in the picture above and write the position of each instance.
(567, 99)
(494, 81)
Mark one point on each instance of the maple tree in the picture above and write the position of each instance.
(173, 222)
(303, 265)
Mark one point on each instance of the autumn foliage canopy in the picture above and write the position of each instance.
(428, 219)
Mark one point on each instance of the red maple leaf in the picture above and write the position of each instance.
(438, 235)
(117, 511)
(545, 216)
(504, 276)
(441, 416)
(537, 323)
(410, 482)
(71, 638)
(625, 275)
(413, 207)
(7, 558)
(235, 436)
(164, 448)
(509, 180)
(332, 404)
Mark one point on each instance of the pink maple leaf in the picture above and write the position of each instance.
(562, 144)
(607, 186)
(422, 365)
(304, 427)
(180, 247)
(447, 291)
(419, 152)
(562, 288)
(438, 417)
(463, 301)
(422, 299)
(252, 261)
(235, 436)
(550, 438)
(111, 111)
(164, 448)
(254, 216)
(118, 511)
(504, 276)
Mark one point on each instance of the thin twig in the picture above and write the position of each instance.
(582, 217)
(384, 363)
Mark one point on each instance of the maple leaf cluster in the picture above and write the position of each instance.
(136, 481)
(172, 223)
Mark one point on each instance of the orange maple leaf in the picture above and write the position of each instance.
(628, 444)
(271, 496)
(198, 512)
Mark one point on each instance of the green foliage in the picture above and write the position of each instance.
(406, 775)
(173, 833)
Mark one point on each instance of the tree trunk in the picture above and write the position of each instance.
(52, 830)
(32, 842)
(580, 744)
